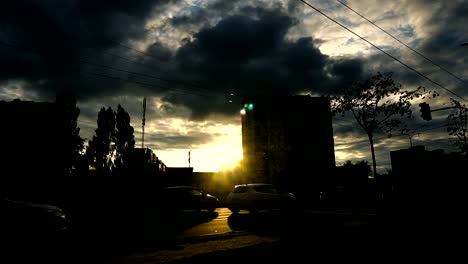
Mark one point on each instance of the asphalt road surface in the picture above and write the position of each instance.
(297, 233)
(276, 222)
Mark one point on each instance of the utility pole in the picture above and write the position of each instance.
(143, 124)
(189, 158)
(410, 136)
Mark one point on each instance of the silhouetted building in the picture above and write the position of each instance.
(30, 137)
(31, 147)
(288, 141)
(429, 181)
(144, 162)
(179, 176)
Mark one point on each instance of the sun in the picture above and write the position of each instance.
(229, 165)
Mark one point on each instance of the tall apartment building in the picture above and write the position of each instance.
(288, 141)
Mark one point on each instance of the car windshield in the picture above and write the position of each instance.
(241, 189)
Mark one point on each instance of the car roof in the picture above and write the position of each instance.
(44, 206)
(253, 184)
(179, 187)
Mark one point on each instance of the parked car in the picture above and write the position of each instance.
(188, 198)
(32, 218)
(255, 197)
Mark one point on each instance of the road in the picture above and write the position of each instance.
(276, 223)
(218, 225)
(119, 237)
(208, 233)
(297, 234)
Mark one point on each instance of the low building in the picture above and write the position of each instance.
(143, 161)
(179, 176)
(429, 181)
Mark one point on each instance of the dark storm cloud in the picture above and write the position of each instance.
(199, 16)
(178, 140)
(202, 15)
(379, 62)
(450, 19)
(41, 33)
(441, 46)
(247, 52)
(346, 70)
(444, 44)
(108, 21)
(41, 39)
(250, 53)
(236, 39)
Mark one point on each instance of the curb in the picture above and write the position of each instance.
(233, 255)
(209, 248)
(210, 237)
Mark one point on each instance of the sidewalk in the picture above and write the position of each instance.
(202, 248)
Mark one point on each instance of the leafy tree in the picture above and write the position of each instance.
(360, 168)
(101, 148)
(113, 141)
(124, 139)
(376, 103)
(72, 144)
(458, 126)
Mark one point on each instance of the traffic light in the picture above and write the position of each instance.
(425, 111)
(248, 107)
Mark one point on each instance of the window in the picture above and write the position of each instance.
(240, 189)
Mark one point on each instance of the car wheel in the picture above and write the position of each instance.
(234, 210)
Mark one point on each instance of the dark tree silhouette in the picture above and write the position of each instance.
(101, 148)
(361, 168)
(113, 141)
(458, 126)
(376, 104)
(72, 144)
(124, 139)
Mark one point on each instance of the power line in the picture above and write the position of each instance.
(184, 83)
(126, 71)
(383, 51)
(196, 86)
(380, 138)
(117, 69)
(136, 50)
(139, 83)
(401, 42)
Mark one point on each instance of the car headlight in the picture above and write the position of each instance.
(60, 215)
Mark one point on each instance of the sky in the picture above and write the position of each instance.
(195, 60)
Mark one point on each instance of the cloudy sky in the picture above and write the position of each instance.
(194, 60)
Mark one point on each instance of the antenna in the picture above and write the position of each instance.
(189, 157)
(143, 124)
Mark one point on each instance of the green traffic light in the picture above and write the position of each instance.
(250, 107)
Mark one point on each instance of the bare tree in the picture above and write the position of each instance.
(377, 103)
